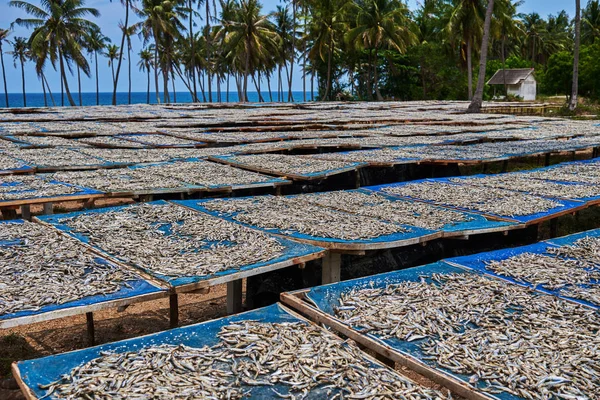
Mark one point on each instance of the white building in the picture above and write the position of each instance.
(519, 82)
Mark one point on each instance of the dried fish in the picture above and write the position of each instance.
(484, 199)
(20, 187)
(176, 241)
(55, 157)
(374, 205)
(586, 249)
(281, 164)
(41, 267)
(290, 215)
(293, 358)
(506, 338)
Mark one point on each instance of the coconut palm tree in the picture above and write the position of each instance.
(145, 65)
(465, 23)
(505, 26)
(4, 38)
(250, 37)
(112, 53)
(124, 29)
(575, 88)
(128, 32)
(95, 43)
(284, 28)
(535, 28)
(57, 26)
(21, 54)
(380, 24)
(475, 106)
(590, 28)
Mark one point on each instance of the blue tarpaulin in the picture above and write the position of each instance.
(412, 232)
(565, 205)
(292, 249)
(128, 289)
(46, 370)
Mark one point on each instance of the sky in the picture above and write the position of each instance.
(112, 13)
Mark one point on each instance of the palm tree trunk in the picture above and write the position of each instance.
(304, 9)
(504, 65)
(246, 71)
(129, 66)
(79, 85)
(49, 90)
(279, 85)
(328, 83)
(4, 76)
(97, 84)
(116, 79)
(376, 78)
(112, 67)
(156, 69)
(269, 86)
(312, 87)
(219, 94)
(475, 106)
(575, 88)
(44, 90)
(148, 90)
(201, 83)
(293, 52)
(174, 91)
(193, 53)
(166, 97)
(64, 80)
(62, 91)
(470, 66)
(228, 76)
(23, 83)
(208, 49)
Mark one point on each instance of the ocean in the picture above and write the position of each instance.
(89, 99)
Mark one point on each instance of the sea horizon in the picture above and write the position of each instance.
(105, 98)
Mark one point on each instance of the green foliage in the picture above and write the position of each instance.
(559, 74)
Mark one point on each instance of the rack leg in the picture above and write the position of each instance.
(234, 296)
(173, 311)
(48, 209)
(547, 160)
(91, 334)
(357, 178)
(332, 263)
(26, 212)
(504, 166)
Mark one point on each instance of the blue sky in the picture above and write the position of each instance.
(112, 13)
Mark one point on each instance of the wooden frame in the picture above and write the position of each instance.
(297, 301)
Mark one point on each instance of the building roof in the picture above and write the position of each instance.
(513, 76)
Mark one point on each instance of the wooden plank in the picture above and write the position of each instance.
(173, 310)
(56, 199)
(456, 386)
(26, 390)
(234, 296)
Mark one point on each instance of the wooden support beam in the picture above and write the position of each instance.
(332, 264)
(357, 178)
(48, 208)
(234, 296)
(91, 333)
(89, 203)
(26, 212)
(504, 166)
(278, 191)
(547, 160)
(173, 311)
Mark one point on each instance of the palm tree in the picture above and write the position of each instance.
(57, 25)
(575, 89)
(124, 29)
(505, 26)
(283, 26)
(21, 54)
(325, 31)
(250, 37)
(96, 42)
(3, 38)
(192, 39)
(112, 53)
(145, 65)
(465, 22)
(535, 27)
(128, 32)
(381, 24)
(590, 29)
(475, 106)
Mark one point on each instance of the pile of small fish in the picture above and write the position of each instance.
(484, 199)
(134, 156)
(56, 157)
(523, 183)
(160, 140)
(281, 164)
(583, 173)
(549, 272)
(586, 249)
(111, 141)
(374, 205)
(118, 180)
(17, 187)
(9, 163)
(289, 360)
(289, 215)
(47, 141)
(41, 267)
(173, 240)
(496, 333)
